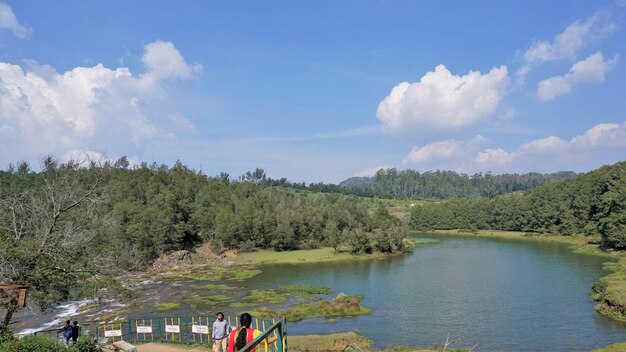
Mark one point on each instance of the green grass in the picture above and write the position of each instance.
(260, 297)
(297, 289)
(320, 255)
(610, 291)
(164, 307)
(332, 342)
(616, 347)
(341, 306)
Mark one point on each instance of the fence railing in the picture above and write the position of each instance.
(280, 332)
(183, 329)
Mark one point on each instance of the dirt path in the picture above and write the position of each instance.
(159, 347)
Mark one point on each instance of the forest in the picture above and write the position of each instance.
(73, 221)
(411, 184)
(591, 203)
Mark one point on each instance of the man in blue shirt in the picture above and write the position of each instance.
(220, 333)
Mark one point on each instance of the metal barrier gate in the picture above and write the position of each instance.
(194, 329)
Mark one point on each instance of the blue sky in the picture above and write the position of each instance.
(316, 90)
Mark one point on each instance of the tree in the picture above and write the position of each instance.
(45, 233)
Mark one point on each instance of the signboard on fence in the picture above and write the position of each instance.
(172, 328)
(112, 333)
(144, 329)
(200, 329)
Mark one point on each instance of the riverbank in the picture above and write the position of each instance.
(609, 291)
(320, 255)
(345, 341)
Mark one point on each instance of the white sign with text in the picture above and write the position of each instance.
(144, 329)
(172, 328)
(112, 333)
(200, 329)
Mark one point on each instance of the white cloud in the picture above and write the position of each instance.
(372, 171)
(606, 141)
(493, 157)
(86, 157)
(43, 111)
(442, 102)
(575, 37)
(9, 21)
(447, 149)
(182, 122)
(164, 61)
(590, 70)
(520, 75)
(544, 145)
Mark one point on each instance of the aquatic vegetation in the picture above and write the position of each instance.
(341, 306)
(163, 307)
(308, 289)
(259, 297)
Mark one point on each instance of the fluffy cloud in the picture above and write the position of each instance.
(43, 111)
(603, 141)
(9, 21)
(493, 157)
(590, 70)
(575, 37)
(164, 61)
(447, 149)
(442, 101)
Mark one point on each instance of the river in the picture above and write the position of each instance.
(501, 295)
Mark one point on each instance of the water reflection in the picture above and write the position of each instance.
(503, 295)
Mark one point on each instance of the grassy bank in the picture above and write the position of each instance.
(303, 256)
(320, 255)
(609, 291)
(342, 341)
(616, 347)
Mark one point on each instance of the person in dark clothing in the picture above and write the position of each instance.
(75, 331)
(67, 332)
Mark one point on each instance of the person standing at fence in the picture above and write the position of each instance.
(239, 338)
(220, 333)
(75, 331)
(67, 332)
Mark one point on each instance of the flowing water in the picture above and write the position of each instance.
(500, 295)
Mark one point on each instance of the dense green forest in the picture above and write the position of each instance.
(411, 184)
(70, 224)
(150, 210)
(591, 203)
(391, 183)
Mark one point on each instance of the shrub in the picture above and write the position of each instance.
(34, 343)
(5, 334)
(84, 344)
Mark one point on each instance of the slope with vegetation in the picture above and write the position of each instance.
(70, 225)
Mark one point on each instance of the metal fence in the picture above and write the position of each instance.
(194, 329)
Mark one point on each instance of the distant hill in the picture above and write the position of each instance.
(356, 181)
(403, 184)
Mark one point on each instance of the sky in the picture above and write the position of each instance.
(316, 91)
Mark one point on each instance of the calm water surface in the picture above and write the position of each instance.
(502, 295)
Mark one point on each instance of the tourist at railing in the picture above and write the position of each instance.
(239, 338)
(75, 331)
(220, 333)
(67, 332)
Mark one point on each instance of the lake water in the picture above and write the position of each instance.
(500, 295)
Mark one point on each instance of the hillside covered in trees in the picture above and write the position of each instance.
(411, 184)
(150, 210)
(591, 203)
(403, 184)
